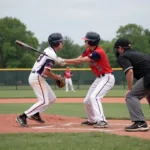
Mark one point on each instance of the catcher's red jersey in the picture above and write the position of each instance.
(100, 66)
(68, 74)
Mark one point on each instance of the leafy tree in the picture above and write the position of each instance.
(43, 45)
(108, 48)
(139, 37)
(12, 56)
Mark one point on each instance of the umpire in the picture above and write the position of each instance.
(135, 65)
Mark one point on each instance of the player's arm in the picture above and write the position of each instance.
(128, 70)
(50, 74)
(47, 70)
(77, 60)
(95, 56)
(129, 77)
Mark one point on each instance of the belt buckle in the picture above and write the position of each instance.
(102, 75)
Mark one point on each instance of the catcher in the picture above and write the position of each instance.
(41, 69)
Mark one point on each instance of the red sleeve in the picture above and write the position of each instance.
(85, 53)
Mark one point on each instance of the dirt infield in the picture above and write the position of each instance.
(55, 123)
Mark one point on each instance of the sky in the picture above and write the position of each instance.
(74, 18)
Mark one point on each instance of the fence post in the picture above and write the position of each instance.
(78, 80)
(16, 80)
(124, 84)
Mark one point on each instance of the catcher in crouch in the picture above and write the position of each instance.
(99, 64)
(41, 69)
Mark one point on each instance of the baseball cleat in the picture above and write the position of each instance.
(22, 121)
(101, 124)
(137, 126)
(88, 123)
(37, 118)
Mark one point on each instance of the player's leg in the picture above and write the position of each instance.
(66, 84)
(41, 91)
(88, 106)
(104, 85)
(52, 98)
(71, 85)
(133, 98)
(38, 84)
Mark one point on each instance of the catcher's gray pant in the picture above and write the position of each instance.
(133, 98)
(44, 93)
(97, 91)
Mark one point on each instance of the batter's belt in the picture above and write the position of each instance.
(102, 75)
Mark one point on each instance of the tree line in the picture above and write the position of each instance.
(12, 56)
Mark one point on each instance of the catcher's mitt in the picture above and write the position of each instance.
(61, 83)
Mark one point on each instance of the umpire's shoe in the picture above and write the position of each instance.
(88, 123)
(37, 118)
(21, 119)
(137, 126)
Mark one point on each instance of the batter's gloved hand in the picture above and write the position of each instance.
(61, 83)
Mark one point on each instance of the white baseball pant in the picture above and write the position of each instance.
(69, 83)
(97, 91)
(43, 92)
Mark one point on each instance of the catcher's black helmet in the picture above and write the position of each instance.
(54, 39)
(93, 38)
(122, 42)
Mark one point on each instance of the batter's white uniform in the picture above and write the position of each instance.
(42, 89)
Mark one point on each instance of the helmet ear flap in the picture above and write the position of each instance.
(55, 43)
(91, 43)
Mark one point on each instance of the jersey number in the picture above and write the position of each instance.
(40, 57)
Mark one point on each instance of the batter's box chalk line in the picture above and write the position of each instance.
(80, 129)
(52, 127)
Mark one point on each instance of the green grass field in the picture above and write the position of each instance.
(59, 93)
(71, 141)
(27, 92)
(112, 110)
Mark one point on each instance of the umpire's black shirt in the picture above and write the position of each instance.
(138, 61)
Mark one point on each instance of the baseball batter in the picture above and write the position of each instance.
(99, 64)
(41, 70)
(135, 65)
(68, 74)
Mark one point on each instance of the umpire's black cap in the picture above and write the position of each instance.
(122, 42)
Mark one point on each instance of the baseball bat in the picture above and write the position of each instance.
(31, 48)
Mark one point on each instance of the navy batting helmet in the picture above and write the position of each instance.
(93, 38)
(54, 39)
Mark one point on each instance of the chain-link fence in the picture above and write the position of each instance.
(16, 79)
